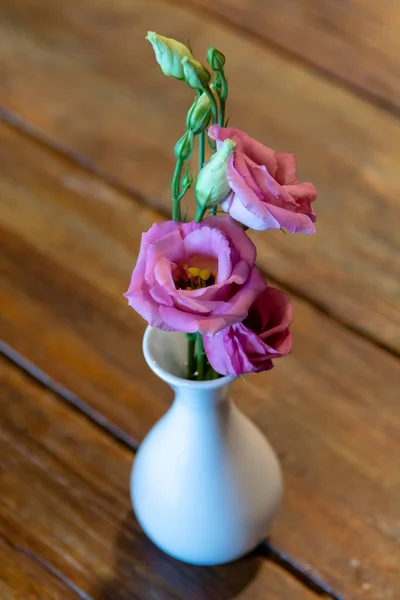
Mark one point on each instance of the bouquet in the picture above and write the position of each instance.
(200, 277)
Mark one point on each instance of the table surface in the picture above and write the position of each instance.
(87, 129)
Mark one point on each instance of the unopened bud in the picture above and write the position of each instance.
(169, 54)
(215, 59)
(212, 186)
(184, 146)
(195, 74)
(187, 179)
(199, 115)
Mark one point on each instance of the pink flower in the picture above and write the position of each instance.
(195, 276)
(250, 346)
(265, 190)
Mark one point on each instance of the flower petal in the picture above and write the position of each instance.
(286, 173)
(238, 305)
(210, 241)
(178, 320)
(169, 246)
(238, 238)
(291, 221)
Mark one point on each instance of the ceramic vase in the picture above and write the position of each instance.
(205, 483)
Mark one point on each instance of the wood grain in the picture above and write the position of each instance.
(22, 578)
(330, 409)
(357, 42)
(65, 499)
(82, 73)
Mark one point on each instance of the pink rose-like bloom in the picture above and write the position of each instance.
(265, 190)
(160, 289)
(250, 346)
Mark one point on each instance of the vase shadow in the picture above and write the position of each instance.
(141, 570)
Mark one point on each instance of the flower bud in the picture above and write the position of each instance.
(199, 114)
(215, 59)
(169, 54)
(184, 146)
(212, 186)
(195, 74)
(187, 179)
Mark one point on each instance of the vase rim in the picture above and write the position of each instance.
(172, 379)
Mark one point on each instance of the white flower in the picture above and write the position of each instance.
(169, 54)
(212, 186)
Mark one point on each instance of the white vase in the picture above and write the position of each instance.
(205, 483)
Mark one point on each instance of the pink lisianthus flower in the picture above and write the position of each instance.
(195, 276)
(265, 190)
(250, 346)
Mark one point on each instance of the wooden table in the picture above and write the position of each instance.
(87, 129)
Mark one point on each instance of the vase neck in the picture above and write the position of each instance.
(165, 353)
(199, 398)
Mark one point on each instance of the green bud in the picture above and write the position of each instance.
(169, 54)
(212, 186)
(186, 182)
(195, 74)
(215, 59)
(199, 114)
(184, 146)
(187, 179)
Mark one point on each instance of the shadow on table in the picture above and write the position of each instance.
(142, 571)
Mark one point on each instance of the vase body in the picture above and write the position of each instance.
(205, 483)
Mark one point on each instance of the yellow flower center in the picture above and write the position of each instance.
(195, 278)
(194, 272)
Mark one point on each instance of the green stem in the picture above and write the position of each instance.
(221, 119)
(191, 355)
(201, 357)
(201, 211)
(210, 373)
(175, 185)
(223, 97)
(201, 150)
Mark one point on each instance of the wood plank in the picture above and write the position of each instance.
(358, 42)
(22, 578)
(331, 408)
(83, 74)
(76, 514)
